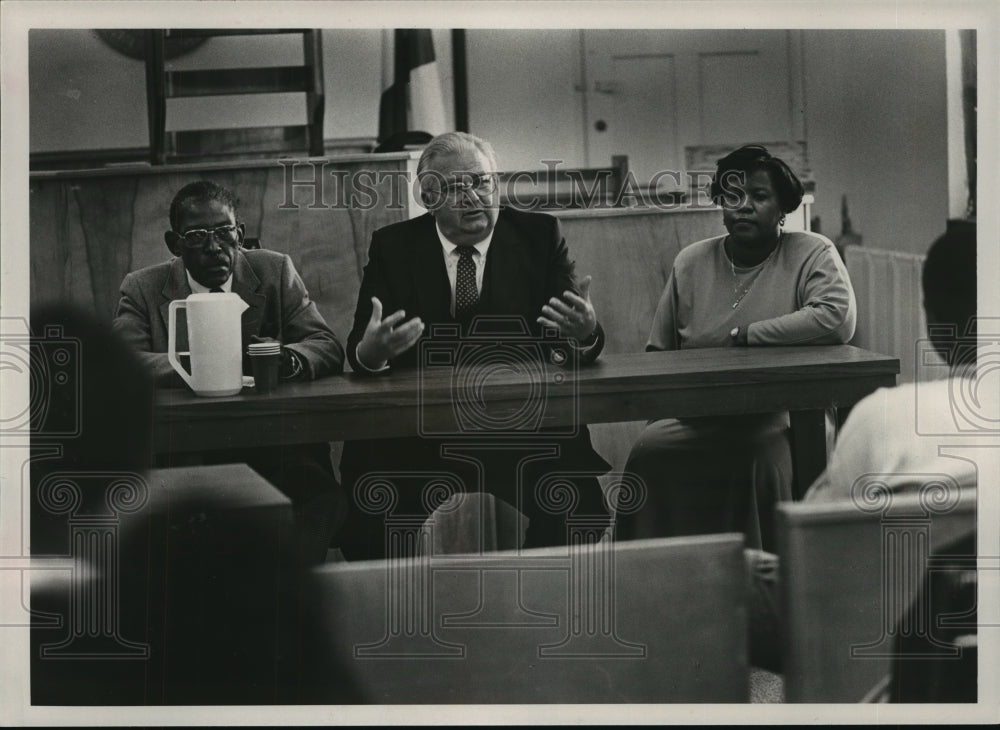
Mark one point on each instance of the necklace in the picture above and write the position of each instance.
(740, 291)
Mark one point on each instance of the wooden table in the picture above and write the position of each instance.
(725, 381)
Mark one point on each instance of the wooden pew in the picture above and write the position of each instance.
(201, 609)
(644, 621)
(846, 574)
(561, 188)
(91, 227)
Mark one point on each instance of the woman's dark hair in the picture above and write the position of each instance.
(747, 160)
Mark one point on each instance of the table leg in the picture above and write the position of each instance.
(812, 441)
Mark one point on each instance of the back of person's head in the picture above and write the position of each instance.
(949, 283)
(94, 385)
(750, 158)
(198, 192)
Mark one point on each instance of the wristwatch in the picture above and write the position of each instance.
(296, 363)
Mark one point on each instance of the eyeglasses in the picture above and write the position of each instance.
(200, 237)
(480, 184)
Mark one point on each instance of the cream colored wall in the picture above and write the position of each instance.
(875, 101)
(875, 121)
(876, 126)
(83, 95)
(522, 96)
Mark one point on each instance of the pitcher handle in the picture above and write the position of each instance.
(172, 341)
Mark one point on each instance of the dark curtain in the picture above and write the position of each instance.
(412, 48)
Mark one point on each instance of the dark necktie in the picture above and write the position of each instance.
(466, 293)
(216, 290)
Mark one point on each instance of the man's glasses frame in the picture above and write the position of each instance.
(200, 237)
(482, 184)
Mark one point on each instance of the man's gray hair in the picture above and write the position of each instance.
(454, 142)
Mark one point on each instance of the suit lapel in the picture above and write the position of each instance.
(504, 279)
(177, 287)
(430, 276)
(246, 284)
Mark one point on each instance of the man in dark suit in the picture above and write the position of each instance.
(464, 264)
(207, 238)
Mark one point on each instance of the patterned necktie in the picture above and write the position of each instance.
(466, 293)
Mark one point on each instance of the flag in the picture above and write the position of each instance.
(411, 100)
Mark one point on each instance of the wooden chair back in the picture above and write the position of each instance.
(643, 621)
(846, 575)
(205, 144)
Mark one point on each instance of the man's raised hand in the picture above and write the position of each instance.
(383, 340)
(573, 315)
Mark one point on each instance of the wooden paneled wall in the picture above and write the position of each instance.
(90, 228)
(629, 252)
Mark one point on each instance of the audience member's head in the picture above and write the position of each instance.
(949, 283)
(103, 390)
(458, 180)
(92, 399)
(733, 170)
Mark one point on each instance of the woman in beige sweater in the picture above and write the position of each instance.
(755, 286)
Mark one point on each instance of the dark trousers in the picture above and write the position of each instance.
(707, 476)
(304, 474)
(552, 482)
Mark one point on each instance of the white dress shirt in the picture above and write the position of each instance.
(196, 288)
(451, 256)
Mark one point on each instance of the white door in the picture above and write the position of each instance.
(650, 94)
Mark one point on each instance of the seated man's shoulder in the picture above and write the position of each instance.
(881, 401)
(407, 227)
(264, 260)
(152, 275)
(263, 254)
(397, 239)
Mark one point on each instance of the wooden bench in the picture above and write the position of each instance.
(846, 575)
(201, 609)
(645, 621)
(561, 188)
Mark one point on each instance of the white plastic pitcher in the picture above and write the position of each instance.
(215, 340)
